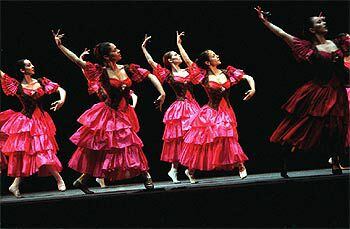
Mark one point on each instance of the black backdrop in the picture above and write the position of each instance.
(231, 29)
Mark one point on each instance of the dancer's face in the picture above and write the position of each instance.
(319, 25)
(175, 58)
(28, 68)
(213, 59)
(114, 53)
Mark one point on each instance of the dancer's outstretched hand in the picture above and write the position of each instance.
(178, 37)
(84, 53)
(56, 105)
(57, 36)
(249, 94)
(159, 102)
(261, 14)
(144, 43)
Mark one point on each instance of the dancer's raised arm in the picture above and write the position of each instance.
(183, 53)
(275, 29)
(81, 63)
(147, 54)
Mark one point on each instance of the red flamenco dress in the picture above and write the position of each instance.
(318, 112)
(347, 142)
(178, 115)
(343, 42)
(212, 141)
(108, 145)
(28, 137)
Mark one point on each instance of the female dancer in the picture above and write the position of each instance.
(177, 116)
(343, 40)
(29, 135)
(212, 141)
(107, 144)
(318, 112)
(132, 115)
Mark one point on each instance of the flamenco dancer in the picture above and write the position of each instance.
(343, 39)
(131, 111)
(108, 146)
(28, 137)
(177, 116)
(318, 112)
(212, 140)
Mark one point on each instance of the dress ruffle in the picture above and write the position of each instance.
(315, 100)
(116, 164)
(223, 153)
(212, 141)
(22, 164)
(30, 143)
(209, 124)
(312, 112)
(177, 121)
(29, 135)
(108, 145)
(104, 129)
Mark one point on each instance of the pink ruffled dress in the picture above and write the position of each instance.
(178, 115)
(108, 145)
(319, 109)
(212, 141)
(28, 137)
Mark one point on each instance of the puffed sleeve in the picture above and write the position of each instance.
(196, 73)
(92, 73)
(136, 73)
(9, 85)
(343, 42)
(49, 86)
(161, 73)
(235, 75)
(302, 49)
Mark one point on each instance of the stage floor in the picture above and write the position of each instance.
(167, 186)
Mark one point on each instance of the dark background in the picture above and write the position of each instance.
(231, 29)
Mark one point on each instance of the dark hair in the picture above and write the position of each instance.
(20, 65)
(166, 62)
(308, 23)
(100, 50)
(202, 58)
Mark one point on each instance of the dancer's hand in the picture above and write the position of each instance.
(57, 105)
(57, 36)
(86, 52)
(144, 43)
(249, 94)
(261, 14)
(178, 37)
(159, 102)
